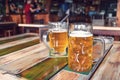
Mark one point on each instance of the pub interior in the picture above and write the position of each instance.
(23, 54)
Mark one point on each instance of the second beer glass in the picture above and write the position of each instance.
(80, 47)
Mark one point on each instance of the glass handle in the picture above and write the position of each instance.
(98, 51)
(45, 39)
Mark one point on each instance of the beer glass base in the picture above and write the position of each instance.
(80, 71)
(57, 54)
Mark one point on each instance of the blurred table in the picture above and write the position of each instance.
(40, 26)
(107, 31)
(32, 26)
(28, 59)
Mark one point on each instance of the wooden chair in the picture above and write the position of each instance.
(8, 33)
(7, 18)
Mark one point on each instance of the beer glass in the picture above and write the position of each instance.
(56, 39)
(80, 47)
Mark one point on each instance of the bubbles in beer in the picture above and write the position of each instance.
(58, 40)
(80, 50)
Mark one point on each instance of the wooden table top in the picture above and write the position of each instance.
(33, 25)
(106, 28)
(110, 67)
(30, 61)
(107, 31)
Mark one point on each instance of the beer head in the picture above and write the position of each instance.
(81, 27)
(80, 34)
(56, 30)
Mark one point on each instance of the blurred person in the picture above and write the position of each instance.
(28, 10)
(13, 8)
(38, 6)
(35, 3)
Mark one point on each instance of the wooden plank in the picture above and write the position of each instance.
(24, 62)
(13, 43)
(21, 53)
(14, 39)
(45, 69)
(18, 47)
(17, 42)
(65, 75)
(9, 76)
(14, 48)
(17, 36)
(110, 67)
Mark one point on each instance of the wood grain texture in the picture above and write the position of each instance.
(18, 54)
(110, 67)
(25, 62)
(45, 69)
(13, 43)
(18, 47)
(17, 36)
(22, 59)
(21, 53)
(67, 75)
(14, 39)
(17, 42)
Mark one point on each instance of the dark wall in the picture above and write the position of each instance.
(109, 6)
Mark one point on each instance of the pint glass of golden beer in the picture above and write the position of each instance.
(57, 39)
(80, 47)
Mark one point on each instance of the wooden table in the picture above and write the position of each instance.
(32, 62)
(39, 26)
(107, 31)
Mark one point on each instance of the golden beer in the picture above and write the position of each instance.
(80, 50)
(58, 40)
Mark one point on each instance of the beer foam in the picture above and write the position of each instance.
(58, 30)
(80, 34)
